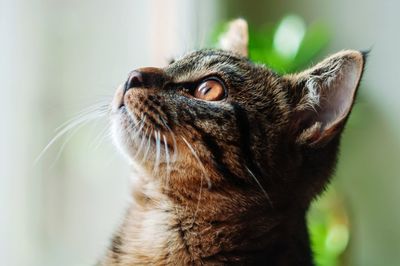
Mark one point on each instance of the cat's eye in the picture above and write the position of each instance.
(210, 90)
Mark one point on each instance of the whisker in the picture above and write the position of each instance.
(80, 121)
(137, 122)
(166, 149)
(198, 160)
(201, 179)
(157, 159)
(198, 200)
(101, 137)
(143, 140)
(259, 184)
(138, 130)
(147, 148)
(94, 109)
(66, 141)
(175, 156)
(171, 133)
(95, 143)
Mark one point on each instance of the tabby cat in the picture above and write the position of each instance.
(227, 155)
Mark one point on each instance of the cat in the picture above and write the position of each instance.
(227, 155)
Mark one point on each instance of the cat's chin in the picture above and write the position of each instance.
(119, 137)
(140, 152)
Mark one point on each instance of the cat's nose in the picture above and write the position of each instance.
(149, 77)
(135, 80)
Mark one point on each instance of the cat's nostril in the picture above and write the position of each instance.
(135, 80)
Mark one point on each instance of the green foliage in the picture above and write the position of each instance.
(302, 43)
(286, 47)
(329, 229)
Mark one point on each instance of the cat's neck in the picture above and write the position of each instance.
(164, 227)
(223, 231)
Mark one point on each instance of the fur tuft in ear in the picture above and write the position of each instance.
(236, 38)
(325, 96)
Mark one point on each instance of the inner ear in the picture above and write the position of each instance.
(236, 38)
(327, 95)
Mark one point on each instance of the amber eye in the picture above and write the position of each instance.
(210, 90)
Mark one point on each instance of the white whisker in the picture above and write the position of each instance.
(259, 184)
(105, 133)
(143, 140)
(204, 174)
(147, 148)
(100, 108)
(72, 124)
(166, 149)
(138, 130)
(158, 151)
(136, 122)
(198, 160)
(66, 141)
(173, 139)
(95, 143)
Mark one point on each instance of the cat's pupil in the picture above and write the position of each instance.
(210, 90)
(205, 89)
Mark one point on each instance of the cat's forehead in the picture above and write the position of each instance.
(202, 63)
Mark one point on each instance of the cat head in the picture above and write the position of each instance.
(215, 119)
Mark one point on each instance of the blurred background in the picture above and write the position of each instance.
(59, 57)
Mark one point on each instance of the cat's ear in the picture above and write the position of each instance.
(323, 97)
(236, 38)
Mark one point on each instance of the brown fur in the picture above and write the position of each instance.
(246, 168)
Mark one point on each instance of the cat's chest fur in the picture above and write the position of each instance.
(159, 231)
(145, 237)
